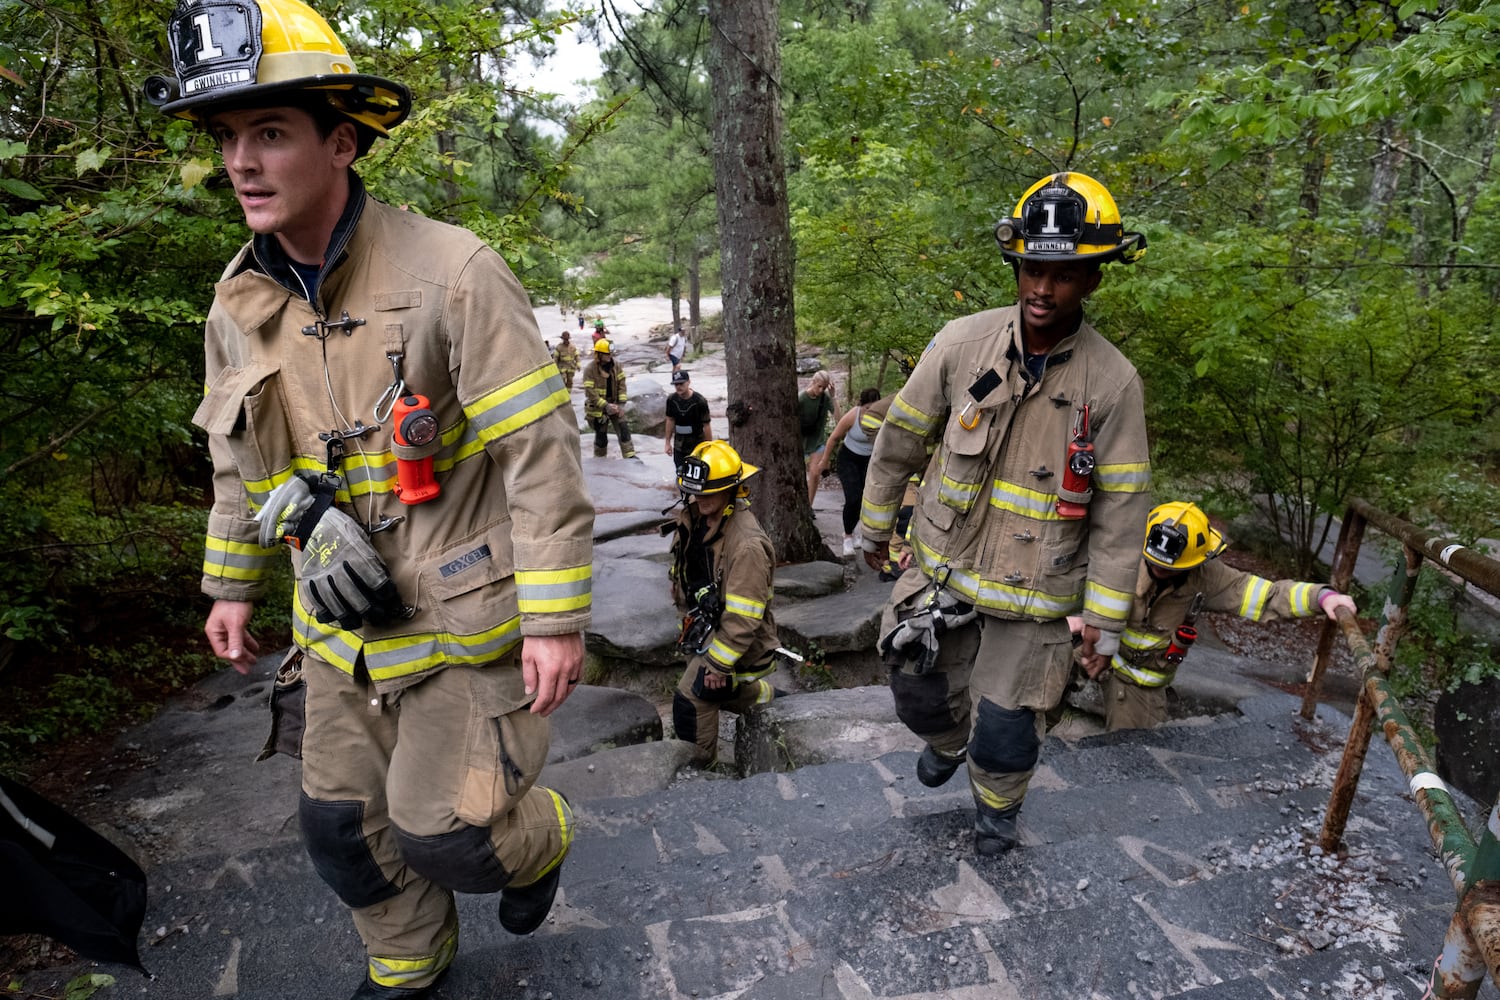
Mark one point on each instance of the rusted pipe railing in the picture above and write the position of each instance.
(1472, 944)
(1393, 621)
(1477, 569)
(1345, 552)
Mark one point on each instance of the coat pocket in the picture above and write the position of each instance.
(246, 407)
(1062, 542)
(470, 583)
(964, 472)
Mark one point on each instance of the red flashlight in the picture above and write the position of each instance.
(416, 427)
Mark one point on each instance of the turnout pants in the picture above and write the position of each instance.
(695, 708)
(601, 436)
(987, 695)
(411, 797)
(1128, 705)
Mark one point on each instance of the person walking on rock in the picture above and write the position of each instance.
(856, 430)
(722, 569)
(1181, 576)
(437, 620)
(565, 356)
(676, 348)
(1029, 511)
(815, 405)
(604, 400)
(688, 422)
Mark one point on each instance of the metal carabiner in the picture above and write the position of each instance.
(393, 392)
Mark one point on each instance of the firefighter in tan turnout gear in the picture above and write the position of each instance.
(604, 400)
(1181, 576)
(1029, 510)
(722, 568)
(381, 405)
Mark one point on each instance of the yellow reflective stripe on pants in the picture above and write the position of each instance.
(406, 972)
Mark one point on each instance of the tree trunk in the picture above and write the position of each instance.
(756, 259)
(695, 297)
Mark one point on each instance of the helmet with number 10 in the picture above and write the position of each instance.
(1068, 216)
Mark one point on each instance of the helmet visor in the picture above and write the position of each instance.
(1166, 542)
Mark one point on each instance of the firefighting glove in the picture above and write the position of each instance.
(343, 579)
(283, 512)
(916, 639)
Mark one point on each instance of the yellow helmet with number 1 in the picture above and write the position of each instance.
(1178, 536)
(248, 53)
(1068, 216)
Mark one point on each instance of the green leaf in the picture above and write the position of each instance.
(90, 160)
(87, 985)
(10, 149)
(21, 189)
(194, 170)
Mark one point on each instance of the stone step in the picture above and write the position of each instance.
(1169, 863)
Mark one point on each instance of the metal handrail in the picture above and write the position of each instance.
(1472, 944)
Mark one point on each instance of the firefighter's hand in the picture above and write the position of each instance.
(1094, 665)
(1332, 600)
(551, 666)
(227, 633)
(713, 679)
(876, 557)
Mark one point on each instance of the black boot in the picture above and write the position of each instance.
(523, 909)
(371, 990)
(934, 768)
(995, 829)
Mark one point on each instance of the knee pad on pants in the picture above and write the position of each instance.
(922, 702)
(1005, 740)
(463, 860)
(684, 718)
(334, 834)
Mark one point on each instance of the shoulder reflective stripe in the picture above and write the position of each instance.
(744, 606)
(541, 591)
(1102, 600)
(909, 418)
(1020, 500)
(870, 423)
(1253, 602)
(1144, 676)
(722, 654)
(1304, 599)
(230, 560)
(1128, 477)
(518, 403)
